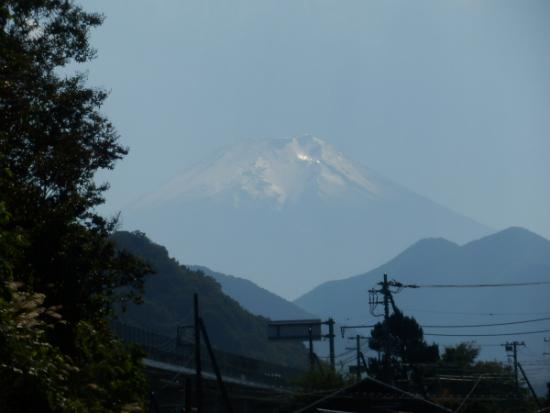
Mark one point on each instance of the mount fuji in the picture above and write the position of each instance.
(289, 214)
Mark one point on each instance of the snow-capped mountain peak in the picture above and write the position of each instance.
(280, 170)
(290, 213)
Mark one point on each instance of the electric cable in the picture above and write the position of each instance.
(492, 314)
(489, 324)
(487, 335)
(518, 284)
(534, 320)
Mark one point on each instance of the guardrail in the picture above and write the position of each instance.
(181, 353)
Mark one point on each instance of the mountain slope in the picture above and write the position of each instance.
(168, 304)
(255, 299)
(290, 213)
(511, 256)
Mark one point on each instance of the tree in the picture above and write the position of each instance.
(53, 140)
(461, 356)
(34, 373)
(404, 337)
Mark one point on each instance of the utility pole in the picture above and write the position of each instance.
(388, 376)
(311, 352)
(198, 366)
(513, 347)
(331, 336)
(225, 396)
(537, 401)
(360, 358)
(358, 355)
(387, 300)
(386, 293)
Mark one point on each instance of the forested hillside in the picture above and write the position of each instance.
(168, 303)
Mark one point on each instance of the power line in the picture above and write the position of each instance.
(487, 325)
(521, 284)
(344, 354)
(534, 320)
(487, 335)
(474, 313)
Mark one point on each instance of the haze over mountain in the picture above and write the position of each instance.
(255, 299)
(512, 255)
(289, 214)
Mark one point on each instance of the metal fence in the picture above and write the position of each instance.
(180, 352)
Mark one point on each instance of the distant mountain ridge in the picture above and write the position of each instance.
(255, 299)
(511, 255)
(289, 213)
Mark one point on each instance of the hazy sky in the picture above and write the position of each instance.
(449, 98)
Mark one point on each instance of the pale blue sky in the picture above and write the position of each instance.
(449, 98)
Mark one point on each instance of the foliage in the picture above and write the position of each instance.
(36, 374)
(459, 372)
(408, 351)
(8, 243)
(321, 378)
(109, 383)
(29, 364)
(53, 139)
(460, 356)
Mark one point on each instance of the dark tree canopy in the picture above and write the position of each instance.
(460, 356)
(53, 140)
(406, 340)
(400, 341)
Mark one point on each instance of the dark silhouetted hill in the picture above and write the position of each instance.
(512, 255)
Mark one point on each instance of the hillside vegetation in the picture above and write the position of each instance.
(168, 303)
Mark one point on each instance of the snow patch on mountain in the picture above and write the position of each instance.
(279, 170)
